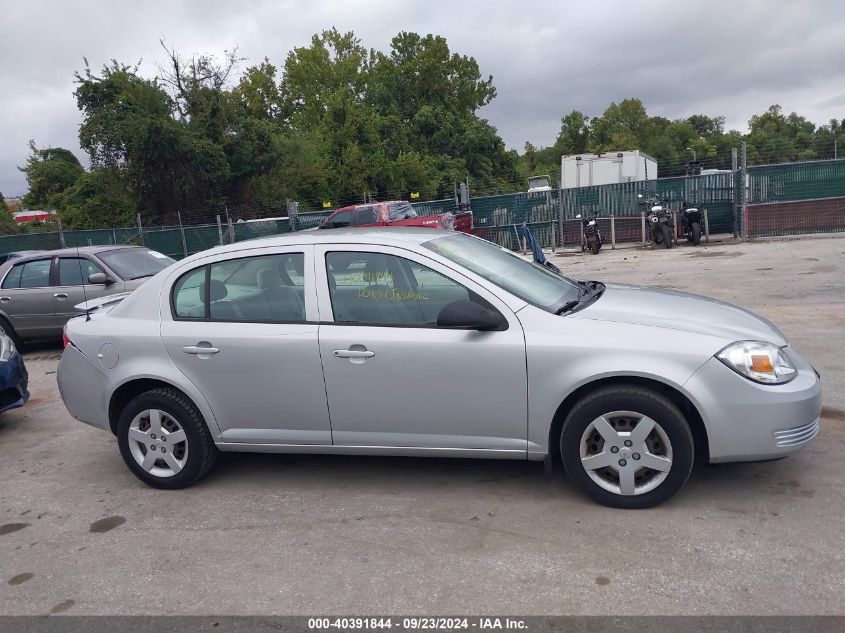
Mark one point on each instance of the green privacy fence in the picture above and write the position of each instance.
(714, 192)
(795, 198)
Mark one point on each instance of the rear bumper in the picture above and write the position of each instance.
(14, 381)
(747, 421)
(84, 388)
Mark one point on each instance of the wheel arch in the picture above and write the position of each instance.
(121, 396)
(678, 398)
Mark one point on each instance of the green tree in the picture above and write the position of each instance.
(7, 222)
(49, 172)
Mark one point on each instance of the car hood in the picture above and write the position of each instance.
(659, 307)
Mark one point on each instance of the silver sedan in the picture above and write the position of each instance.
(421, 342)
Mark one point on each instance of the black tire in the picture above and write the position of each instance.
(10, 332)
(596, 247)
(640, 400)
(666, 235)
(696, 233)
(202, 453)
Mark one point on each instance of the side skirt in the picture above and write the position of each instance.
(412, 451)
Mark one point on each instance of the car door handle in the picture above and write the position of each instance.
(60, 295)
(200, 349)
(5, 299)
(353, 353)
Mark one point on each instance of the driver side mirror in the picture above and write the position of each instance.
(468, 315)
(100, 279)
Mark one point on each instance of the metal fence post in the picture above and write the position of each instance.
(219, 230)
(182, 231)
(743, 187)
(612, 232)
(734, 196)
(231, 230)
(140, 231)
(61, 233)
(706, 227)
(675, 229)
(560, 211)
(642, 221)
(293, 215)
(114, 236)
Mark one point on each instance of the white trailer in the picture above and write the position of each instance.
(583, 170)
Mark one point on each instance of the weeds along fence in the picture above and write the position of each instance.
(787, 199)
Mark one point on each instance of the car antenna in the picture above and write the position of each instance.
(82, 278)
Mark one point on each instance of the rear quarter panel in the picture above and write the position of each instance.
(133, 327)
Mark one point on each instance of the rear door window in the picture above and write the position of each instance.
(34, 274)
(264, 289)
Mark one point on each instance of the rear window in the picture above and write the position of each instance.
(135, 263)
(34, 274)
(402, 211)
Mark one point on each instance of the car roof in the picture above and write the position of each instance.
(380, 235)
(368, 204)
(87, 250)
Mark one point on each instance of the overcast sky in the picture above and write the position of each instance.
(730, 58)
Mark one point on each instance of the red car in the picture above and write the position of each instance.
(395, 213)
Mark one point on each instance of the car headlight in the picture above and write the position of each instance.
(7, 348)
(757, 361)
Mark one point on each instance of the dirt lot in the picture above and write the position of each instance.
(303, 535)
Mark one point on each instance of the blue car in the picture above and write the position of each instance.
(13, 376)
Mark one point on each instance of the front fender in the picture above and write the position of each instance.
(564, 355)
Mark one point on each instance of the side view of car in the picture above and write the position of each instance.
(396, 213)
(431, 343)
(38, 292)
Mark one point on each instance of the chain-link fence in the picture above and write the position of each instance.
(788, 199)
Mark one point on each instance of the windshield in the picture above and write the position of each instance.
(528, 281)
(538, 181)
(134, 263)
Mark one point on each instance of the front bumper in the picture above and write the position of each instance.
(14, 381)
(747, 421)
(84, 388)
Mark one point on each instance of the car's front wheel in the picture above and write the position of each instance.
(164, 440)
(627, 447)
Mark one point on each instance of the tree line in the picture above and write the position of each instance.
(339, 122)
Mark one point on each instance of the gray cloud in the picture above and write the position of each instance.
(717, 58)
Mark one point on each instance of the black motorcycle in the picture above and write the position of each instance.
(659, 221)
(592, 235)
(691, 223)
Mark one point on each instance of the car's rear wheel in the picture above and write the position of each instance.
(164, 440)
(627, 447)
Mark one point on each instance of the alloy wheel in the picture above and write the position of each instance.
(158, 443)
(626, 453)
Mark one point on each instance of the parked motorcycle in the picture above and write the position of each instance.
(592, 235)
(691, 223)
(659, 220)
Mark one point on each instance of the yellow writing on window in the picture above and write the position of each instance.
(391, 294)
